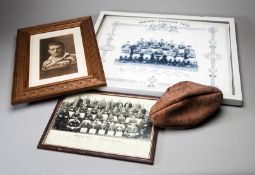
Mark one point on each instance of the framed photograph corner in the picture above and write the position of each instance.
(56, 59)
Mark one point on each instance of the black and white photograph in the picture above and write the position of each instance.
(160, 52)
(103, 123)
(104, 117)
(57, 56)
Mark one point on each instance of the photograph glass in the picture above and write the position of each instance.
(103, 123)
(56, 56)
(152, 54)
(146, 53)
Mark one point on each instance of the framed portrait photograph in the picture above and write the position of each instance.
(146, 53)
(101, 124)
(56, 59)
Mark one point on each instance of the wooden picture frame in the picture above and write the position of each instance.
(111, 132)
(73, 63)
(145, 53)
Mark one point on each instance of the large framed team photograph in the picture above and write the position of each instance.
(56, 59)
(146, 53)
(100, 124)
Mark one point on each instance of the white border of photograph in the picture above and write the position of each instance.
(234, 98)
(34, 69)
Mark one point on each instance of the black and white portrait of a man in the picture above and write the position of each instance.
(57, 56)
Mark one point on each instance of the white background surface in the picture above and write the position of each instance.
(223, 145)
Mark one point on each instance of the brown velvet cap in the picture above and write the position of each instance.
(185, 105)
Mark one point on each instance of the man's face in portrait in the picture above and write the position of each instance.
(56, 50)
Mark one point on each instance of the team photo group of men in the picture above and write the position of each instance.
(102, 117)
(158, 52)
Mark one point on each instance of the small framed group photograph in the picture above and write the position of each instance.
(146, 53)
(56, 59)
(105, 125)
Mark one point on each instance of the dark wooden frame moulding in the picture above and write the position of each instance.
(150, 161)
(22, 93)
